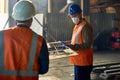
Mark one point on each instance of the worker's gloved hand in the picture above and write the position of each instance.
(63, 43)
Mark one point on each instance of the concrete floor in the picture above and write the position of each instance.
(61, 69)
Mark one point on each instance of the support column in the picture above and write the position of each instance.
(50, 6)
(85, 5)
(118, 14)
(10, 8)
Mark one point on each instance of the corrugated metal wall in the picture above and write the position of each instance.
(102, 21)
(59, 26)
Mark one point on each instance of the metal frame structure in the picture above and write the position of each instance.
(105, 71)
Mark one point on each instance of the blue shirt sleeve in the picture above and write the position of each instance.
(44, 59)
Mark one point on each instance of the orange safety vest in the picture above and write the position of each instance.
(19, 51)
(84, 57)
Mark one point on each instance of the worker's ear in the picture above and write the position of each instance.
(16, 22)
(30, 21)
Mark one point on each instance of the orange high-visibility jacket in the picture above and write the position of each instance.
(19, 54)
(85, 56)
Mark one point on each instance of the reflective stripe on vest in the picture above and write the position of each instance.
(77, 34)
(80, 27)
(1, 51)
(28, 72)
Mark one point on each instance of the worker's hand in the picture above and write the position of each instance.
(63, 43)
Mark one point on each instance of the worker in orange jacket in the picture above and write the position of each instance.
(23, 53)
(81, 43)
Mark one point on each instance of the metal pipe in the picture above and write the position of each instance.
(45, 29)
(50, 6)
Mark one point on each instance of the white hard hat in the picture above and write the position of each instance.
(23, 10)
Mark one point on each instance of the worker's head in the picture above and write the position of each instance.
(23, 11)
(75, 12)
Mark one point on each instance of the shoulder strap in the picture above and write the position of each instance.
(82, 24)
(32, 51)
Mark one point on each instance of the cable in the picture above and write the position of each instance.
(45, 29)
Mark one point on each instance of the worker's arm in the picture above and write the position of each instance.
(87, 35)
(44, 59)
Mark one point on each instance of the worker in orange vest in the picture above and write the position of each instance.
(81, 43)
(23, 53)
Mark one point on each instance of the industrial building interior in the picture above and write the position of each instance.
(52, 22)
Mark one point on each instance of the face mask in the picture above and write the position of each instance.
(75, 20)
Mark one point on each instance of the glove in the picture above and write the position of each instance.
(63, 43)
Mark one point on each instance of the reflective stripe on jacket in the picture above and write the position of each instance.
(85, 56)
(19, 51)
